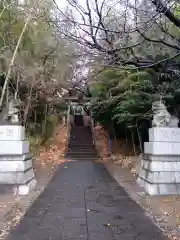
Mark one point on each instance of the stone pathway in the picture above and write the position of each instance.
(82, 202)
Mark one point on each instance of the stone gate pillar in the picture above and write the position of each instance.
(15, 160)
(160, 166)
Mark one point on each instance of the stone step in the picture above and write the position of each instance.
(86, 133)
(89, 134)
(85, 141)
(79, 136)
(80, 146)
(81, 158)
(72, 145)
(82, 151)
(81, 155)
(77, 140)
(82, 134)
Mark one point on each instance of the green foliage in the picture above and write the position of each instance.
(123, 93)
(125, 97)
(43, 64)
(177, 10)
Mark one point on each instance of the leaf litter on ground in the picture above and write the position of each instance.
(50, 156)
(167, 206)
(52, 153)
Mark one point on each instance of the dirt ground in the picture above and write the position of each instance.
(165, 209)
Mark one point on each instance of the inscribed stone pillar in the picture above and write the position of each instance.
(160, 166)
(15, 160)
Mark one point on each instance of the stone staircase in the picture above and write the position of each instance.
(81, 146)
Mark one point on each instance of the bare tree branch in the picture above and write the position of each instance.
(161, 8)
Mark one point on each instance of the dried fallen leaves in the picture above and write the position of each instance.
(120, 156)
(168, 206)
(101, 141)
(11, 221)
(129, 162)
(49, 157)
(53, 154)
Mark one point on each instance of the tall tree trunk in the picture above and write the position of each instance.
(12, 62)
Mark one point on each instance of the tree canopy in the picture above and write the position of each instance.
(126, 52)
(133, 49)
(36, 62)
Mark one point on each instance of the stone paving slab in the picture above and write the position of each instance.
(83, 202)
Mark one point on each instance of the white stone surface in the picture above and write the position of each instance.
(160, 166)
(14, 147)
(159, 171)
(168, 189)
(151, 189)
(15, 160)
(21, 157)
(162, 158)
(16, 177)
(162, 148)
(159, 134)
(24, 190)
(10, 132)
(15, 166)
(160, 177)
(159, 189)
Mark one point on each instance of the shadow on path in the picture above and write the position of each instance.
(83, 202)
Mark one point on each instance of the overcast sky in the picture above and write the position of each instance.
(61, 3)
